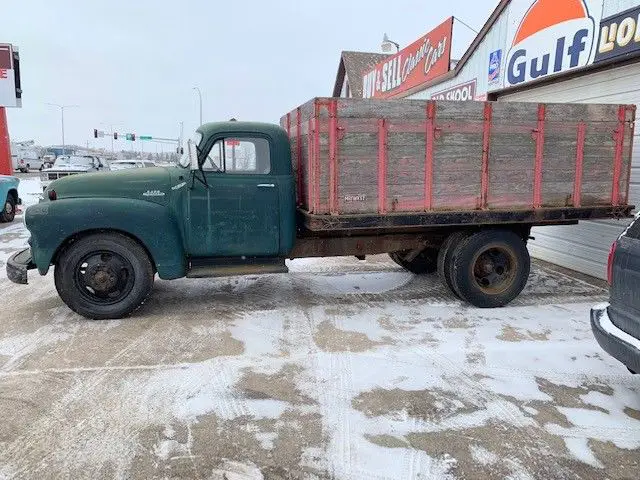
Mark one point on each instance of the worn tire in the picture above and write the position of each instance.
(486, 257)
(444, 259)
(8, 209)
(425, 263)
(69, 276)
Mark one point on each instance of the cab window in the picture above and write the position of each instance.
(246, 156)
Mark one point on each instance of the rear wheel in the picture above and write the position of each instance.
(104, 276)
(490, 268)
(8, 212)
(424, 263)
(445, 256)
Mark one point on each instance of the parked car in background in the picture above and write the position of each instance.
(127, 164)
(48, 160)
(26, 164)
(8, 197)
(616, 325)
(66, 165)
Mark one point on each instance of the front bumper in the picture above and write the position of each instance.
(18, 265)
(617, 343)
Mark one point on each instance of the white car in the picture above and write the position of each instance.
(128, 164)
(26, 164)
(66, 165)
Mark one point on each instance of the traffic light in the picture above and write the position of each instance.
(133, 137)
(115, 135)
(95, 133)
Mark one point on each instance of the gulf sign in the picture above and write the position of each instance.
(553, 36)
(422, 61)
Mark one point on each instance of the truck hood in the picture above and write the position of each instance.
(8, 180)
(149, 184)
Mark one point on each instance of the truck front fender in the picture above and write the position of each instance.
(53, 224)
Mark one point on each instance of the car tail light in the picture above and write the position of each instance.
(612, 254)
(52, 195)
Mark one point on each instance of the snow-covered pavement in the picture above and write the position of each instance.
(340, 369)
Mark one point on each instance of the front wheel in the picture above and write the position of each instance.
(490, 268)
(104, 276)
(8, 212)
(424, 263)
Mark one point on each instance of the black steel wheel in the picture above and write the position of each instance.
(424, 263)
(104, 275)
(490, 268)
(8, 212)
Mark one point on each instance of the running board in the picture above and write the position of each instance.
(228, 267)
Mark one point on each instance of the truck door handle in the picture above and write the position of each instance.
(266, 185)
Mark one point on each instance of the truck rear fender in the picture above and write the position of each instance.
(54, 225)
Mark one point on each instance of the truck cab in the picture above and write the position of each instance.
(228, 207)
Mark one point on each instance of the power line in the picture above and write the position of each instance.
(467, 25)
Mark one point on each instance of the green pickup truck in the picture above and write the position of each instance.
(246, 196)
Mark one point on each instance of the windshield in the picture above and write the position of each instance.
(65, 161)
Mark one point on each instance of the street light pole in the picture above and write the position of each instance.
(200, 98)
(62, 107)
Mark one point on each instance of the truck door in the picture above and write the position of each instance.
(237, 212)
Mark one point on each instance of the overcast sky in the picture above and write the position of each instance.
(134, 63)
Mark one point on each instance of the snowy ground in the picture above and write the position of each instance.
(341, 369)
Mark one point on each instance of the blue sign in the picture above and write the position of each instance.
(495, 62)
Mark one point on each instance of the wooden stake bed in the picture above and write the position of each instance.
(368, 161)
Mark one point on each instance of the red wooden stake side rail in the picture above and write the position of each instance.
(537, 171)
(617, 162)
(299, 153)
(333, 157)
(632, 109)
(310, 167)
(382, 166)
(486, 141)
(428, 165)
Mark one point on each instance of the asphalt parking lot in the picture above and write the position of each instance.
(340, 369)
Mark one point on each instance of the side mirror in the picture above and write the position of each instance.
(193, 157)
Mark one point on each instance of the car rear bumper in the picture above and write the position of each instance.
(18, 265)
(617, 343)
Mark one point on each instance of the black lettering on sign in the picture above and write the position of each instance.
(619, 36)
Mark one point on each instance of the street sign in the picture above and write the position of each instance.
(145, 137)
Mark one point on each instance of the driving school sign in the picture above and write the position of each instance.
(425, 59)
(462, 92)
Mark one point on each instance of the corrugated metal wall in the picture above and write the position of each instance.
(585, 247)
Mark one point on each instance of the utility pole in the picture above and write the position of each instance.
(62, 107)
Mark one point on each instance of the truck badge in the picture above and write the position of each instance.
(153, 193)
